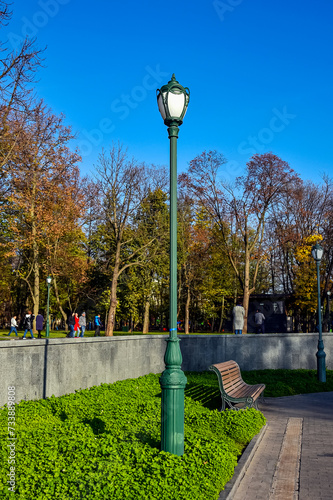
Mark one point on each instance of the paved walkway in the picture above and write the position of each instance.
(294, 460)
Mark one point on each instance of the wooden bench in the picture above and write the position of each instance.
(233, 388)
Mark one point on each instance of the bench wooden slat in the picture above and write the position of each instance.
(251, 391)
(233, 388)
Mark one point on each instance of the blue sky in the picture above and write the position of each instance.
(260, 75)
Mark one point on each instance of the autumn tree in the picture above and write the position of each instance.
(123, 185)
(241, 210)
(43, 179)
(305, 283)
(303, 214)
(205, 274)
(65, 241)
(17, 73)
(153, 221)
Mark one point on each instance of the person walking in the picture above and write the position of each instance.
(13, 326)
(97, 325)
(259, 320)
(39, 324)
(28, 322)
(238, 314)
(76, 326)
(82, 323)
(71, 323)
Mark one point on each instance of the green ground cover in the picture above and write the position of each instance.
(204, 387)
(103, 443)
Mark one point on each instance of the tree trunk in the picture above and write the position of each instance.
(187, 311)
(55, 287)
(130, 329)
(222, 314)
(145, 328)
(246, 292)
(35, 293)
(112, 311)
(113, 296)
(36, 287)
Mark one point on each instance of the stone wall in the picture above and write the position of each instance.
(40, 368)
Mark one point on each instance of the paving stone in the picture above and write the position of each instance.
(316, 453)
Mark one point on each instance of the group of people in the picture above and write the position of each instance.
(28, 325)
(77, 325)
(238, 314)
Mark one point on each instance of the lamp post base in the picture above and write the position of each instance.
(321, 368)
(173, 382)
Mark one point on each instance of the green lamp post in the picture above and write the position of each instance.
(48, 282)
(172, 100)
(329, 310)
(317, 253)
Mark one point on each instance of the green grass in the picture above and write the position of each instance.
(289, 382)
(103, 443)
(203, 386)
(62, 333)
(55, 334)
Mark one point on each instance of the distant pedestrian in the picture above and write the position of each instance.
(39, 324)
(238, 314)
(13, 326)
(28, 322)
(259, 320)
(82, 323)
(97, 325)
(76, 325)
(71, 323)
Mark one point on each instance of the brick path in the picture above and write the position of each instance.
(295, 424)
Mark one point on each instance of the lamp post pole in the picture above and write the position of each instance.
(48, 282)
(329, 310)
(317, 253)
(172, 101)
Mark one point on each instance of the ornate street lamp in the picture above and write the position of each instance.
(172, 100)
(48, 282)
(317, 253)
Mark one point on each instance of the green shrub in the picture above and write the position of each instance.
(103, 443)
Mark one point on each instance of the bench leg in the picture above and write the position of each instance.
(223, 404)
(261, 399)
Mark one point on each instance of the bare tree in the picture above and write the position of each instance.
(123, 185)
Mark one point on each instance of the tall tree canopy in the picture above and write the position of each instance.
(241, 210)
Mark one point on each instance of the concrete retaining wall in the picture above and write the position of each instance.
(40, 368)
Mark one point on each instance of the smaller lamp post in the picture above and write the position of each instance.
(48, 282)
(317, 253)
(329, 309)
